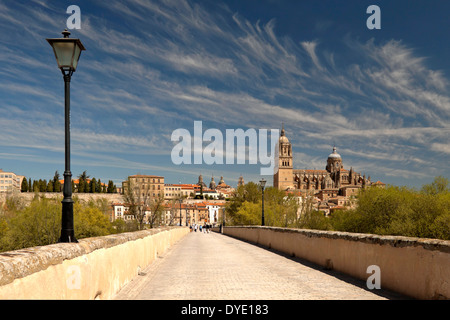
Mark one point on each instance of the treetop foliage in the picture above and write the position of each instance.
(393, 210)
(39, 223)
(84, 185)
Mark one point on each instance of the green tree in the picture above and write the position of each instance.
(119, 226)
(37, 224)
(49, 186)
(56, 182)
(438, 186)
(314, 220)
(93, 185)
(83, 182)
(347, 221)
(249, 213)
(24, 186)
(131, 198)
(90, 221)
(399, 211)
(111, 186)
(42, 185)
(280, 209)
(35, 186)
(99, 187)
(4, 230)
(156, 210)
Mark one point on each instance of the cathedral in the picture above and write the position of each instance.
(332, 182)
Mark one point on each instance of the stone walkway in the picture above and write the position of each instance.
(216, 267)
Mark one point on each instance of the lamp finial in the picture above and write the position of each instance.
(66, 33)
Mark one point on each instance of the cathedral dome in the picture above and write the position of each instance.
(283, 138)
(334, 154)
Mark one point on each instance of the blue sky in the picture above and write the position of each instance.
(151, 67)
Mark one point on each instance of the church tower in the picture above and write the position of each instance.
(283, 177)
(241, 181)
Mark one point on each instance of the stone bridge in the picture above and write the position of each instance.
(236, 263)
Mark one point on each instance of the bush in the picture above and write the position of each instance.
(400, 211)
(39, 223)
(314, 220)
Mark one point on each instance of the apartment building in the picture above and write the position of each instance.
(172, 192)
(10, 182)
(147, 185)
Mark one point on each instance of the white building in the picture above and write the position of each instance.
(10, 182)
(214, 211)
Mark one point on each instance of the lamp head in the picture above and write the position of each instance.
(67, 51)
(263, 183)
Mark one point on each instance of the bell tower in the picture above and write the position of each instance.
(283, 177)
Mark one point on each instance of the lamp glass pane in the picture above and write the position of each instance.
(76, 56)
(64, 53)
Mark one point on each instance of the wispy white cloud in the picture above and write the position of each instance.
(164, 64)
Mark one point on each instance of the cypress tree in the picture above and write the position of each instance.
(110, 186)
(56, 183)
(92, 185)
(49, 186)
(98, 187)
(24, 186)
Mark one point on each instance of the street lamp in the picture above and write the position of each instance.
(181, 200)
(263, 184)
(67, 53)
(223, 216)
(222, 226)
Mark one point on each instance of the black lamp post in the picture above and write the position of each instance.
(181, 200)
(187, 216)
(67, 52)
(263, 184)
(223, 216)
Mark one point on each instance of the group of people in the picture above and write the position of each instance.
(205, 228)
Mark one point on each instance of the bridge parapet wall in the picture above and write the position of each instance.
(419, 268)
(93, 268)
